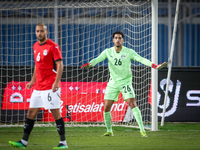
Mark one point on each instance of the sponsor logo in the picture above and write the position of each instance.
(16, 97)
(26, 125)
(83, 110)
(97, 90)
(71, 88)
(194, 96)
(28, 100)
(94, 107)
(13, 87)
(171, 104)
(118, 106)
(76, 88)
(79, 108)
(58, 127)
(19, 88)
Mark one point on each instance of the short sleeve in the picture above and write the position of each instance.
(57, 55)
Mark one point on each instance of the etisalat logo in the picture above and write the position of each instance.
(94, 107)
(170, 108)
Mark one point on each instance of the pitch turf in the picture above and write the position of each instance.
(173, 136)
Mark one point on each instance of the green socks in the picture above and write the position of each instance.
(138, 117)
(107, 120)
(136, 113)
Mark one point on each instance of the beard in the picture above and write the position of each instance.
(41, 39)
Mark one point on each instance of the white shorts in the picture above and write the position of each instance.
(47, 99)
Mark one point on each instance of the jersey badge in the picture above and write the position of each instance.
(45, 52)
(123, 56)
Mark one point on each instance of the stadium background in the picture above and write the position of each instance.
(187, 47)
(186, 66)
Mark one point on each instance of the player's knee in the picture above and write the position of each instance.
(56, 114)
(106, 109)
(31, 114)
(133, 106)
(132, 103)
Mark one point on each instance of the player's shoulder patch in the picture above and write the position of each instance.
(56, 47)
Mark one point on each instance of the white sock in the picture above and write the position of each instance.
(24, 142)
(64, 142)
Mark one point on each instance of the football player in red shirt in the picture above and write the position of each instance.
(46, 80)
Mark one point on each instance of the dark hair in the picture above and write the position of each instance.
(118, 32)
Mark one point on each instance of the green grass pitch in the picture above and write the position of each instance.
(173, 136)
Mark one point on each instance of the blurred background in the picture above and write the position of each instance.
(19, 17)
(83, 29)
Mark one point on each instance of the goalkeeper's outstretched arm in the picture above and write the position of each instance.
(95, 61)
(147, 62)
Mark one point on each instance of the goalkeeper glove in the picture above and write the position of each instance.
(160, 66)
(86, 66)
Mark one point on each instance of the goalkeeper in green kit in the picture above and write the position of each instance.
(119, 58)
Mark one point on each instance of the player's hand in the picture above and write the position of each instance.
(86, 66)
(29, 84)
(160, 66)
(55, 86)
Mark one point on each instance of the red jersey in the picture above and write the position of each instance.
(45, 56)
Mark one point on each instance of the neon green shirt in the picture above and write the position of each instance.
(120, 63)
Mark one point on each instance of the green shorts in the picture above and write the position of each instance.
(112, 91)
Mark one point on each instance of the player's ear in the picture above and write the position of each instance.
(46, 31)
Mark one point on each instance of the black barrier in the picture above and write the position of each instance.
(183, 102)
